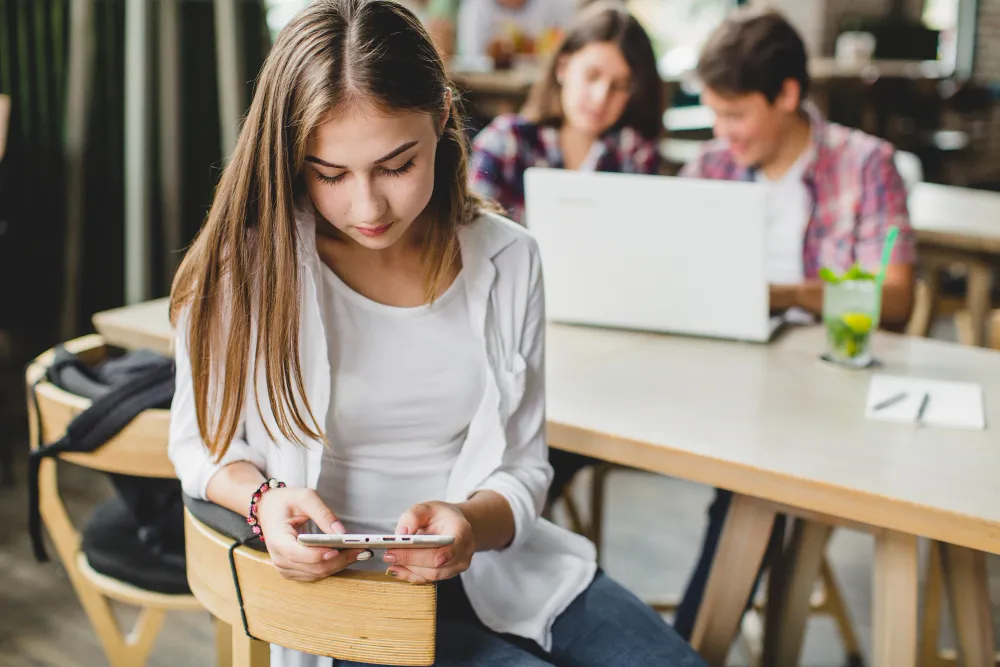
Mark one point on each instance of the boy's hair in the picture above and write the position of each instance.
(754, 51)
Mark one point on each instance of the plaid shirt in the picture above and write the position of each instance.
(856, 192)
(510, 144)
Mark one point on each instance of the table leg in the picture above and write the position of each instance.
(744, 540)
(894, 601)
(789, 602)
(967, 584)
(980, 279)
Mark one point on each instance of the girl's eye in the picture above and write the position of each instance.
(401, 170)
(332, 180)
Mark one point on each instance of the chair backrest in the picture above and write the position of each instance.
(139, 449)
(366, 617)
(910, 169)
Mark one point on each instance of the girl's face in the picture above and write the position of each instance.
(370, 173)
(596, 86)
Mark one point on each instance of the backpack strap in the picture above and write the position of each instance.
(102, 421)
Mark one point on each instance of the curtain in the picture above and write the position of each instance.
(34, 38)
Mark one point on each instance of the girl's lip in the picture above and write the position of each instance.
(374, 231)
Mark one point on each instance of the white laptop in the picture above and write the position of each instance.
(652, 253)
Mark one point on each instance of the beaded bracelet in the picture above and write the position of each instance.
(252, 514)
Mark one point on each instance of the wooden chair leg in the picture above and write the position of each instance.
(930, 627)
(223, 644)
(964, 328)
(923, 306)
(745, 537)
(994, 330)
(249, 652)
(968, 589)
(980, 282)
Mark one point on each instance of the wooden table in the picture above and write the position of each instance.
(786, 432)
(782, 430)
(959, 225)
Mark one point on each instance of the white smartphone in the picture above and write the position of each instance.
(375, 541)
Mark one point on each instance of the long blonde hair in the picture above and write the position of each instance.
(237, 290)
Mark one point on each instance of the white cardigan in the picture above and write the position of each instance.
(520, 590)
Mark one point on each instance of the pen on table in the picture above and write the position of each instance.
(923, 407)
(892, 400)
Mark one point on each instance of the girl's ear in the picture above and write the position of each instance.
(448, 99)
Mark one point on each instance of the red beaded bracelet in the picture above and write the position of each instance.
(252, 514)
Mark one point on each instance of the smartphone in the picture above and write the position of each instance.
(375, 541)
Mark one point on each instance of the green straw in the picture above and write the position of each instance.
(890, 244)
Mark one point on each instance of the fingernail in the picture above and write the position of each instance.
(338, 528)
(331, 554)
(389, 558)
(366, 554)
(404, 530)
(391, 572)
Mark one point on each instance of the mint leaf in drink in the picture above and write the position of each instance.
(828, 276)
(857, 273)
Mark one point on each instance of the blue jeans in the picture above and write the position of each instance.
(606, 626)
(687, 611)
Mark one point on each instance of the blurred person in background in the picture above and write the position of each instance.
(599, 107)
(832, 192)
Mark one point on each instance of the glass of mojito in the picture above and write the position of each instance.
(849, 315)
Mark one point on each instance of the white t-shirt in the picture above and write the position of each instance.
(789, 206)
(406, 384)
(480, 20)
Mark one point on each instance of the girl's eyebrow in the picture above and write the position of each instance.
(385, 158)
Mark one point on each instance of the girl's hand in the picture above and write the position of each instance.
(420, 566)
(281, 513)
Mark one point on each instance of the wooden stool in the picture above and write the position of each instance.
(361, 616)
(828, 600)
(140, 449)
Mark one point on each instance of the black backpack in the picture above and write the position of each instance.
(120, 388)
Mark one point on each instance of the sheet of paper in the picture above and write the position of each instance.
(957, 405)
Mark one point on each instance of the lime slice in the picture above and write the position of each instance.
(859, 323)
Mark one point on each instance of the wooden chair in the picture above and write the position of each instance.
(360, 616)
(140, 449)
